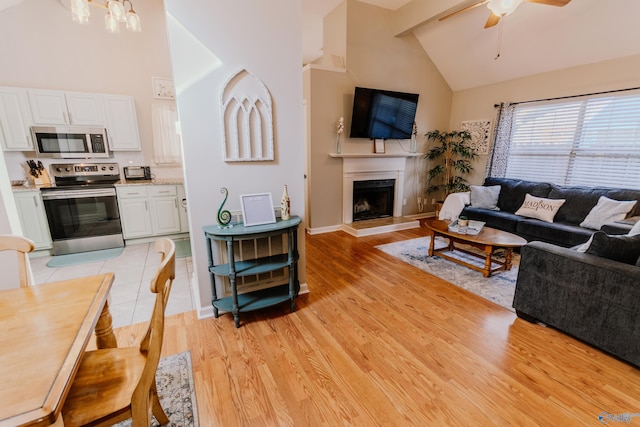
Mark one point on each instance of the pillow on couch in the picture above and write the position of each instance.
(635, 230)
(622, 248)
(540, 208)
(485, 197)
(607, 210)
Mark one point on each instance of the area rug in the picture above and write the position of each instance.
(499, 287)
(174, 380)
(84, 257)
(183, 248)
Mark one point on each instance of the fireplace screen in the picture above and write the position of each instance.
(373, 199)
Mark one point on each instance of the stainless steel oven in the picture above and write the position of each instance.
(82, 208)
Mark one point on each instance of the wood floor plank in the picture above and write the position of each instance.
(378, 342)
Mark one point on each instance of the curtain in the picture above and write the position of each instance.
(167, 144)
(497, 165)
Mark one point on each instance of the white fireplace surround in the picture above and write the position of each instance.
(368, 168)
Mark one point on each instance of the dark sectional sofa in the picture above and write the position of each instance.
(565, 230)
(592, 298)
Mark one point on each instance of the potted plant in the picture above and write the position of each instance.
(452, 158)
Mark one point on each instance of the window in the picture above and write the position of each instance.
(167, 142)
(589, 141)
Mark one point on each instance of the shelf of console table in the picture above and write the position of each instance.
(237, 303)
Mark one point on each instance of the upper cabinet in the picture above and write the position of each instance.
(50, 107)
(15, 120)
(21, 108)
(122, 123)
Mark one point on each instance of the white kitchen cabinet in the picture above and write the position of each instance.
(15, 120)
(51, 107)
(122, 123)
(33, 218)
(148, 210)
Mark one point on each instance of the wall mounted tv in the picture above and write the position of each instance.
(383, 114)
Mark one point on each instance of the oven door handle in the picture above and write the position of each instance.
(77, 194)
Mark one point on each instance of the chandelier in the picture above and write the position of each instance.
(116, 13)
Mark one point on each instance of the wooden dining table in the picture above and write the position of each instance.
(44, 331)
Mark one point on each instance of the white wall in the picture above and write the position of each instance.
(209, 41)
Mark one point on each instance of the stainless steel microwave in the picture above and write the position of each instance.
(70, 142)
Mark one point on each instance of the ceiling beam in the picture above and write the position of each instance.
(420, 12)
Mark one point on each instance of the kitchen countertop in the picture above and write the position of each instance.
(121, 183)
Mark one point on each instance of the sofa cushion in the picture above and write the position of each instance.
(561, 234)
(580, 201)
(513, 192)
(501, 220)
(540, 208)
(618, 248)
(625, 194)
(605, 211)
(485, 197)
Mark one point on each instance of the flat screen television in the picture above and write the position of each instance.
(383, 114)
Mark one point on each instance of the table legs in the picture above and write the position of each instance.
(104, 329)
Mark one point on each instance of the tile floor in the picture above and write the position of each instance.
(131, 300)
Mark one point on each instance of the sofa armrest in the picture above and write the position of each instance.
(594, 299)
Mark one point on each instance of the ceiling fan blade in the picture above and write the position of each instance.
(464, 9)
(559, 3)
(493, 20)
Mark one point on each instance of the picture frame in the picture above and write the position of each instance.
(257, 209)
(163, 88)
(378, 146)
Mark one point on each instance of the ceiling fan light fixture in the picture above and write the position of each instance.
(503, 7)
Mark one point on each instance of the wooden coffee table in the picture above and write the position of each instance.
(488, 240)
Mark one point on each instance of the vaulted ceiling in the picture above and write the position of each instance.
(534, 39)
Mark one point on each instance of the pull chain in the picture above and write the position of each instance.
(499, 39)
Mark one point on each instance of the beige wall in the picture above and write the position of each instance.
(375, 58)
(478, 103)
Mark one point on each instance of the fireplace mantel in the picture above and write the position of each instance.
(373, 166)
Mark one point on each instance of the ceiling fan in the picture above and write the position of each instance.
(500, 8)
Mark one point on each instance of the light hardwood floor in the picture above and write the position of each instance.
(378, 342)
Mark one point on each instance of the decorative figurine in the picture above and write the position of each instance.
(285, 205)
(224, 216)
(340, 129)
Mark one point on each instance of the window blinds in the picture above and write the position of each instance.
(588, 141)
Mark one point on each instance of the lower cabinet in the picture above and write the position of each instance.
(148, 210)
(33, 218)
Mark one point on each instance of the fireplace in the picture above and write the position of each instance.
(373, 199)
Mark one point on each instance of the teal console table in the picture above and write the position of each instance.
(233, 269)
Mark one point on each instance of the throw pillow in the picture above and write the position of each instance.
(485, 197)
(607, 210)
(540, 208)
(635, 230)
(622, 248)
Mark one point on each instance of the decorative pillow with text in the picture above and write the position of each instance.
(540, 208)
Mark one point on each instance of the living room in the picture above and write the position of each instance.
(375, 342)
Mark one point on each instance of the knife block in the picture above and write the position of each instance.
(43, 179)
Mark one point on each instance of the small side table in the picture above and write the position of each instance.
(233, 269)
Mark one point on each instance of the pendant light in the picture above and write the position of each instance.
(116, 13)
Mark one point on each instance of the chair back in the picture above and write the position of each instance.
(151, 344)
(22, 246)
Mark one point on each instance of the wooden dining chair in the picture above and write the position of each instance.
(115, 384)
(22, 246)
